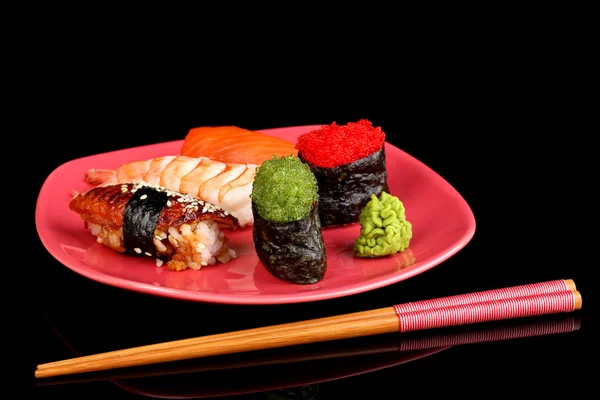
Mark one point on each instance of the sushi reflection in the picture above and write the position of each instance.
(303, 368)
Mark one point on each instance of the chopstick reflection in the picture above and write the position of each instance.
(314, 363)
(494, 333)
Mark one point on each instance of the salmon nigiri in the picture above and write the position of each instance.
(233, 144)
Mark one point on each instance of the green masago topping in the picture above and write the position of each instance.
(284, 189)
(384, 228)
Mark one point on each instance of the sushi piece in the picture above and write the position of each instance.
(226, 185)
(141, 219)
(287, 230)
(349, 164)
(232, 144)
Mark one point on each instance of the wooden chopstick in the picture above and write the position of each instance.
(240, 341)
(301, 355)
(428, 341)
(164, 348)
(365, 323)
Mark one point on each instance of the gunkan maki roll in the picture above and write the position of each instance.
(287, 230)
(349, 164)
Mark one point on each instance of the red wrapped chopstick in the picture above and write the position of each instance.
(490, 305)
(514, 302)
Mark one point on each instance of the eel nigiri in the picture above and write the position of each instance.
(146, 220)
(227, 185)
(232, 144)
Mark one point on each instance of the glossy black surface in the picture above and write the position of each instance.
(502, 145)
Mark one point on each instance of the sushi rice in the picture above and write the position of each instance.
(192, 245)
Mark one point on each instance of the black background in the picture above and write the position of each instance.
(499, 118)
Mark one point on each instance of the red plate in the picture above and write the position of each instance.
(442, 221)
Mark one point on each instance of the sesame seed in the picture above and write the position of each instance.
(148, 254)
(159, 262)
(138, 250)
(144, 197)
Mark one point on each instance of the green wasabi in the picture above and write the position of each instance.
(284, 189)
(384, 228)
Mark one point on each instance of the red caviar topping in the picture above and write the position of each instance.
(334, 145)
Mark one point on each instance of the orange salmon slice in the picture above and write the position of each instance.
(233, 144)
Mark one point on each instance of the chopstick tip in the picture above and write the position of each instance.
(578, 300)
(571, 285)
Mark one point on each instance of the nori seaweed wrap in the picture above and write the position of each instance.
(349, 165)
(287, 230)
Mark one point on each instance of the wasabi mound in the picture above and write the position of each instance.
(384, 228)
